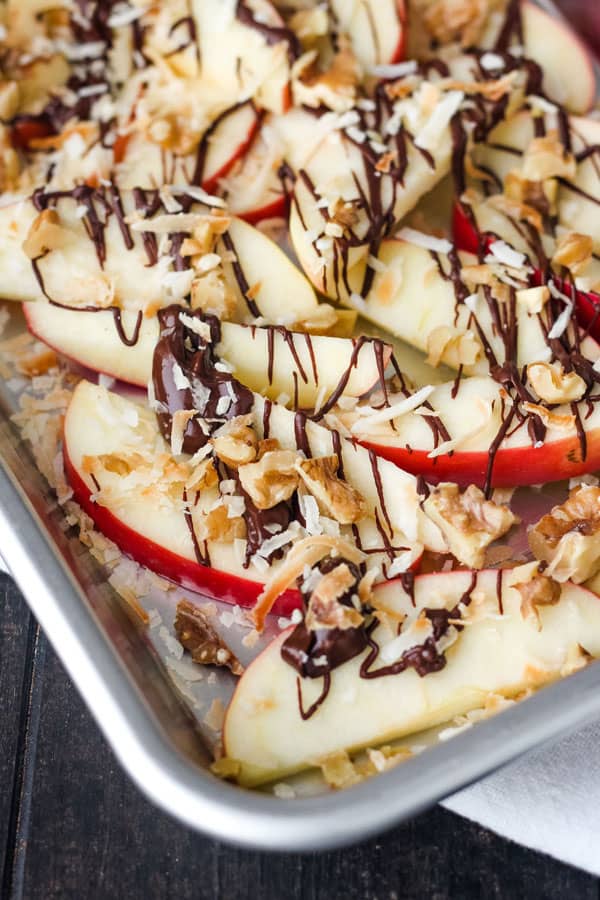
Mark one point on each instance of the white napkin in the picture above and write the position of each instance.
(548, 800)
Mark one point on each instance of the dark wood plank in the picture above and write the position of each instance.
(17, 643)
(93, 835)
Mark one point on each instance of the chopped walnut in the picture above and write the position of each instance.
(336, 498)
(546, 157)
(216, 525)
(271, 480)
(237, 446)
(568, 537)
(553, 385)
(534, 299)
(461, 21)
(538, 591)
(574, 252)
(344, 214)
(452, 347)
(468, 521)
(45, 234)
(325, 610)
(197, 634)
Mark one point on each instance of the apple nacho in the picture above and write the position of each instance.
(313, 301)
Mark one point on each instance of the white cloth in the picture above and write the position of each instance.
(548, 800)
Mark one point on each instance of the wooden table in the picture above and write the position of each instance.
(72, 826)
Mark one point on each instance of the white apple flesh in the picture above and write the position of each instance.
(473, 418)
(144, 515)
(302, 367)
(72, 274)
(376, 29)
(569, 76)
(146, 165)
(502, 652)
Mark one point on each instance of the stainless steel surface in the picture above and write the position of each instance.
(159, 739)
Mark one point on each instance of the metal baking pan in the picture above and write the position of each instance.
(126, 676)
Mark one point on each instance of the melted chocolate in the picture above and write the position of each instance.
(182, 351)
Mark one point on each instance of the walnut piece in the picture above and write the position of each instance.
(568, 537)
(325, 610)
(538, 591)
(237, 446)
(336, 498)
(195, 632)
(468, 521)
(574, 252)
(271, 480)
(553, 385)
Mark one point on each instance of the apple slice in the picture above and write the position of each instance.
(245, 51)
(376, 29)
(139, 504)
(149, 523)
(569, 76)
(483, 224)
(507, 650)
(476, 418)
(578, 197)
(145, 164)
(306, 368)
(253, 262)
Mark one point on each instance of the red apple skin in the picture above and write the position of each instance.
(79, 362)
(513, 467)
(211, 184)
(26, 130)
(275, 210)
(189, 574)
(587, 303)
(400, 51)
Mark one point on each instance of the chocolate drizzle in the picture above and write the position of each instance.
(183, 356)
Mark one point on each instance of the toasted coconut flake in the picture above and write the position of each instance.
(325, 610)
(568, 538)
(452, 347)
(215, 716)
(553, 385)
(366, 422)
(181, 418)
(45, 234)
(559, 421)
(574, 252)
(338, 770)
(307, 552)
(546, 157)
(426, 241)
